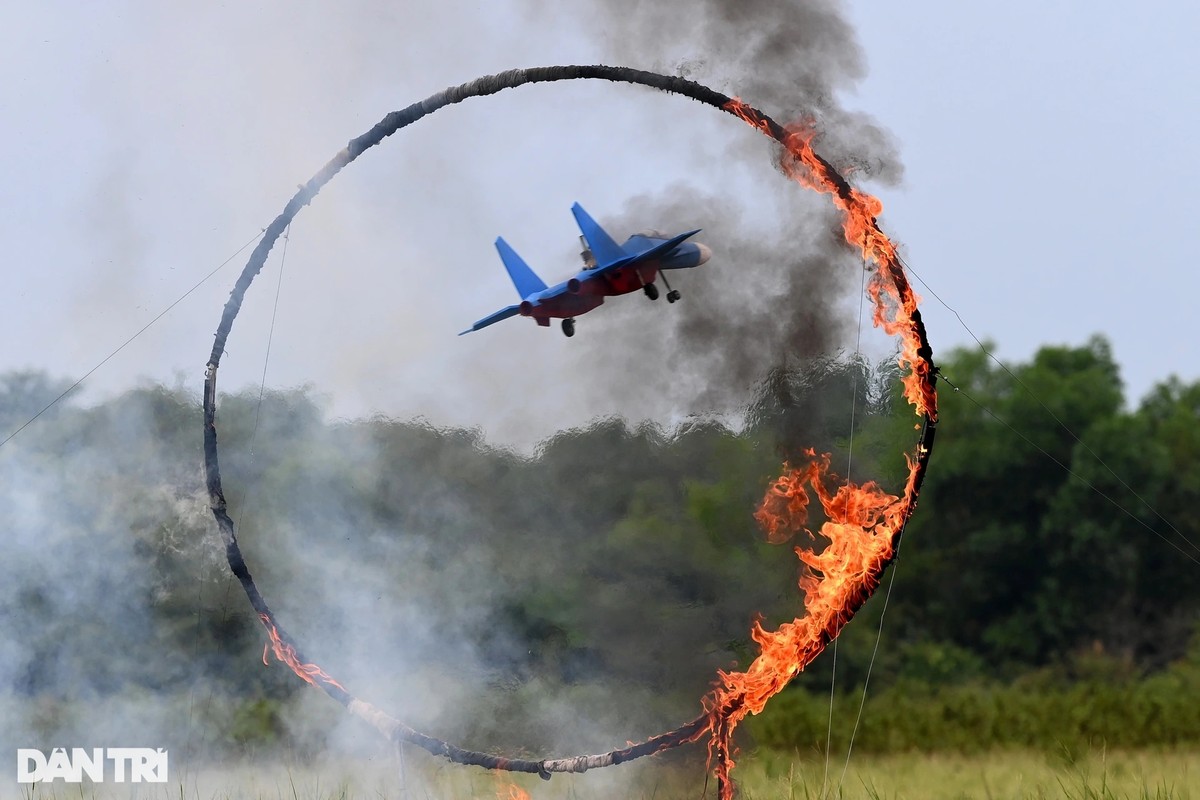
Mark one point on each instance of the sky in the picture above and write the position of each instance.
(1034, 160)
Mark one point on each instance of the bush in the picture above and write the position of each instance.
(1046, 711)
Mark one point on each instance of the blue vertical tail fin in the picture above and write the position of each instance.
(604, 249)
(525, 279)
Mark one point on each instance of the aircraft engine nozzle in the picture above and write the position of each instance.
(573, 286)
(705, 253)
(525, 309)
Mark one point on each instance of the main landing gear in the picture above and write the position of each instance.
(672, 294)
(652, 291)
(568, 327)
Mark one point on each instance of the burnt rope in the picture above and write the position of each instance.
(393, 729)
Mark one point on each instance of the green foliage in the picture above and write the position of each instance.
(256, 722)
(1096, 703)
(1015, 555)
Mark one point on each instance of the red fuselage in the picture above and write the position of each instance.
(584, 295)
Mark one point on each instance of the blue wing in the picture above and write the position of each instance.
(649, 252)
(502, 314)
(608, 254)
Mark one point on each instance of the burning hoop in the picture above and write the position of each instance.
(863, 524)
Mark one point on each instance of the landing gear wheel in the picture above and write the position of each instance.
(673, 295)
(568, 327)
(651, 291)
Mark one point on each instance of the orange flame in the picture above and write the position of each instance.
(785, 506)
(893, 299)
(859, 531)
(287, 654)
(511, 792)
(863, 523)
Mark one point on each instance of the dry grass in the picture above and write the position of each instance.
(762, 776)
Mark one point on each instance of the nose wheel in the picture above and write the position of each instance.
(568, 326)
(651, 291)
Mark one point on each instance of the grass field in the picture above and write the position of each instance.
(1094, 775)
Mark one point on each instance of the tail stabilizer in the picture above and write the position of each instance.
(604, 249)
(524, 279)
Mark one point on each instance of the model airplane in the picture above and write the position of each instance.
(608, 269)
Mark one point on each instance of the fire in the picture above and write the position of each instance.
(287, 654)
(784, 509)
(512, 792)
(859, 532)
(863, 523)
(894, 302)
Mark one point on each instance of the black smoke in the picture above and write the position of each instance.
(778, 292)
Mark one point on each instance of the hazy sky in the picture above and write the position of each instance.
(1045, 194)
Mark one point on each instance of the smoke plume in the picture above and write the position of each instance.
(787, 57)
(769, 294)
(772, 295)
